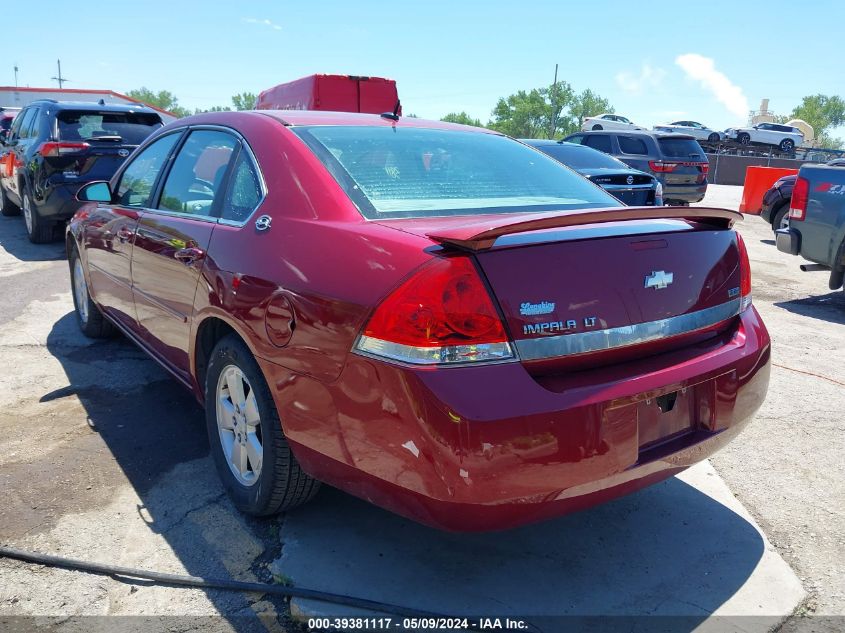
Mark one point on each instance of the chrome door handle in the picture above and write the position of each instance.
(189, 255)
(124, 234)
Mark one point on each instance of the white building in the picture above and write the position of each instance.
(12, 97)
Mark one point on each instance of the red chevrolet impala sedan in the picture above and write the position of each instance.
(435, 318)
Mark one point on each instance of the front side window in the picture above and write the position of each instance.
(417, 172)
(622, 119)
(196, 179)
(136, 183)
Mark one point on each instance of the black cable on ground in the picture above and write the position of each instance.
(214, 583)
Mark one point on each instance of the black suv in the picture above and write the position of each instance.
(55, 147)
(676, 160)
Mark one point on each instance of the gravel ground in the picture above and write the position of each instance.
(102, 456)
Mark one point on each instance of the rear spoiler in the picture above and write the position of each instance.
(481, 234)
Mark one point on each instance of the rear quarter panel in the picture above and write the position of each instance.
(823, 229)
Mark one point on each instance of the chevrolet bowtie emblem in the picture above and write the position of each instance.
(658, 279)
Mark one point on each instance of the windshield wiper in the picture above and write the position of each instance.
(105, 137)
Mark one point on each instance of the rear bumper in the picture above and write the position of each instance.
(59, 202)
(788, 241)
(489, 448)
(685, 193)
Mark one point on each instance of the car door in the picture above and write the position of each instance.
(172, 239)
(110, 230)
(20, 139)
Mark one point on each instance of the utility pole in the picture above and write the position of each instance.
(554, 106)
(16, 75)
(60, 79)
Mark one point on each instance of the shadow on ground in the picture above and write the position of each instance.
(829, 307)
(148, 428)
(669, 550)
(14, 240)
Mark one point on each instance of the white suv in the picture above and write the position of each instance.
(785, 137)
(608, 122)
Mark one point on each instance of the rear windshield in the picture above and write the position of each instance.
(127, 128)
(415, 172)
(681, 148)
(581, 157)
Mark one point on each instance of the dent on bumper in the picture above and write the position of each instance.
(497, 448)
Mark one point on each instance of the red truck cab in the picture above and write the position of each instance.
(337, 93)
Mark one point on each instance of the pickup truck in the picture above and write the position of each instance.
(816, 228)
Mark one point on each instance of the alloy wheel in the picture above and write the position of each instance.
(27, 212)
(239, 425)
(80, 291)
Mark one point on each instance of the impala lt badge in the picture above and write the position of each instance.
(658, 279)
(533, 309)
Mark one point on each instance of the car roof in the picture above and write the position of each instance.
(93, 105)
(324, 117)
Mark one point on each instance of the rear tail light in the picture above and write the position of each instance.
(61, 149)
(441, 315)
(800, 193)
(744, 274)
(705, 168)
(660, 166)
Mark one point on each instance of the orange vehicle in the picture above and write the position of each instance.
(338, 93)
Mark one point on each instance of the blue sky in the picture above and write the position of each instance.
(655, 61)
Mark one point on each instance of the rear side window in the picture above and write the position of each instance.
(417, 172)
(681, 148)
(27, 123)
(137, 181)
(126, 128)
(599, 142)
(198, 173)
(244, 192)
(632, 145)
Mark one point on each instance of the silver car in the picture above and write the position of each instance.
(699, 131)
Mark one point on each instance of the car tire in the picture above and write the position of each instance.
(744, 138)
(280, 483)
(780, 219)
(787, 145)
(713, 138)
(88, 316)
(597, 127)
(7, 208)
(39, 230)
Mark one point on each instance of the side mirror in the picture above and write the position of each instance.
(97, 191)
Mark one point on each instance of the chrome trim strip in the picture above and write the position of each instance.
(611, 338)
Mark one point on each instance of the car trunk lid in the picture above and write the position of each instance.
(587, 288)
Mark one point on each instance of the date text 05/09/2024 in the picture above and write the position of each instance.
(416, 624)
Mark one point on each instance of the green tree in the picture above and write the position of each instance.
(463, 118)
(551, 112)
(586, 104)
(163, 99)
(212, 109)
(522, 115)
(244, 101)
(823, 113)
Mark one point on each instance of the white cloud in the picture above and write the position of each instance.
(648, 77)
(703, 70)
(264, 22)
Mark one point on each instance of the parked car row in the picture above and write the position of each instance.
(52, 148)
